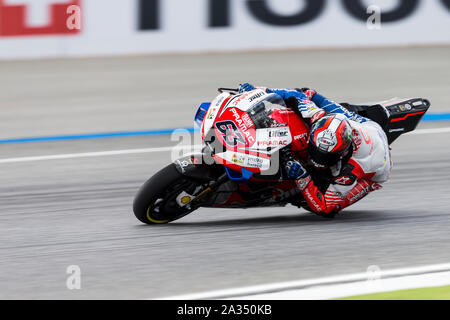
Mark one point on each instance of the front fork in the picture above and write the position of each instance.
(193, 166)
(211, 188)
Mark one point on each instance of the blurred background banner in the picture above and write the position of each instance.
(73, 28)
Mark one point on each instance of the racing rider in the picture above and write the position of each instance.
(354, 148)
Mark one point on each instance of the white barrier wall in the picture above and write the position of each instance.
(48, 28)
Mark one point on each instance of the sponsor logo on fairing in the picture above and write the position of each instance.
(238, 159)
(278, 134)
(273, 137)
(220, 99)
(244, 125)
(256, 96)
(211, 114)
(273, 143)
(239, 99)
(184, 199)
(278, 125)
(301, 136)
(254, 162)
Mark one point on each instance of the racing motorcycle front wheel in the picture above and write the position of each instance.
(156, 201)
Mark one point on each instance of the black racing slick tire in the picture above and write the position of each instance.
(155, 202)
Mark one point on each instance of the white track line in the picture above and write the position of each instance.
(95, 154)
(320, 283)
(148, 150)
(428, 280)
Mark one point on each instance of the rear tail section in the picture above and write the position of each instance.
(405, 115)
(396, 116)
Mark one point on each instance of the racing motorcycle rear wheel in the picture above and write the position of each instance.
(155, 202)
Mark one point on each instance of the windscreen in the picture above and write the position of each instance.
(261, 113)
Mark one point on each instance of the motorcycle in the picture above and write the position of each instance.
(245, 137)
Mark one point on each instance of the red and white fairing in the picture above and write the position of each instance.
(245, 144)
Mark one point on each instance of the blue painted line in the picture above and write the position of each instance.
(96, 136)
(427, 118)
(436, 117)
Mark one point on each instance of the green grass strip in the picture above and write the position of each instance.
(434, 293)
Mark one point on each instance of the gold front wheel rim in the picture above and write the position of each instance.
(154, 220)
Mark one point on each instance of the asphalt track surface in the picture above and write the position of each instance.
(77, 211)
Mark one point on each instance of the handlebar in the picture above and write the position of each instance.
(228, 89)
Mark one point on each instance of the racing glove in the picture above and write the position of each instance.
(309, 93)
(246, 87)
(295, 170)
(308, 110)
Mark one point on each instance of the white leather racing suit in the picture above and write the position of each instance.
(369, 166)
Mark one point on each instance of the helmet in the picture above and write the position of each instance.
(330, 141)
